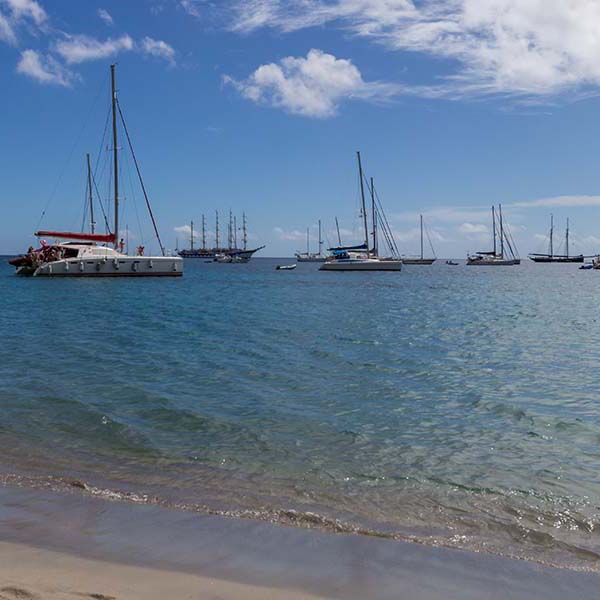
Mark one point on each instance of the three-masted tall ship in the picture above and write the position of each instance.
(89, 254)
(551, 257)
(504, 253)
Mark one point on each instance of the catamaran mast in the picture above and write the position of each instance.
(191, 235)
(364, 208)
(551, 236)
(567, 239)
(245, 231)
(203, 233)
(494, 227)
(90, 196)
(421, 216)
(115, 153)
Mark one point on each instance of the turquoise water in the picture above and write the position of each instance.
(449, 405)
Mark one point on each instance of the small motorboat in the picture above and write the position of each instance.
(586, 267)
(451, 263)
(285, 267)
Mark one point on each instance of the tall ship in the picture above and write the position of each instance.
(557, 258)
(504, 252)
(366, 257)
(94, 254)
(309, 256)
(422, 259)
(220, 253)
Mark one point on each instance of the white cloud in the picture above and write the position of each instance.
(185, 229)
(158, 48)
(26, 9)
(524, 47)
(473, 228)
(105, 16)
(7, 32)
(293, 235)
(191, 8)
(80, 48)
(566, 201)
(43, 69)
(312, 86)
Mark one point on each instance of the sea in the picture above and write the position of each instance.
(445, 405)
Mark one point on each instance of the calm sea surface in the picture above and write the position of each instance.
(456, 406)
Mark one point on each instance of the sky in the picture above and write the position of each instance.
(259, 106)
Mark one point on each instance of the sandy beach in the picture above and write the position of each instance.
(63, 546)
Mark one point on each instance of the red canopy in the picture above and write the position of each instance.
(108, 238)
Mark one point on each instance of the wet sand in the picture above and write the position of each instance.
(59, 546)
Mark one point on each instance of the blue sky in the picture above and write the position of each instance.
(260, 105)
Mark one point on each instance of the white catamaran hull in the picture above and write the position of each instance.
(123, 266)
(361, 265)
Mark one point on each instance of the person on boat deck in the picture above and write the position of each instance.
(121, 245)
(140, 250)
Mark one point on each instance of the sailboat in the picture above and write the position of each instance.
(90, 254)
(361, 257)
(558, 258)
(309, 256)
(506, 256)
(420, 260)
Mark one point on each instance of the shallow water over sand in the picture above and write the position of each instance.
(450, 405)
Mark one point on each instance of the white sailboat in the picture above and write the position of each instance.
(90, 254)
(420, 260)
(309, 256)
(361, 257)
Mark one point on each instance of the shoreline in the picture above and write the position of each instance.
(81, 538)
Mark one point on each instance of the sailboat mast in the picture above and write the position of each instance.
(203, 233)
(217, 230)
(307, 241)
(90, 196)
(421, 216)
(501, 232)
(245, 231)
(115, 152)
(337, 226)
(551, 236)
(191, 235)
(235, 232)
(230, 232)
(567, 239)
(364, 208)
(374, 217)
(320, 240)
(494, 227)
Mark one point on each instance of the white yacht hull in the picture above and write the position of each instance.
(123, 266)
(361, 265)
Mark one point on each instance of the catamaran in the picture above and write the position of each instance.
(89, 254)
(361, 257)
(507, 256)
(420, 260)
(557, 258)
(309, 256)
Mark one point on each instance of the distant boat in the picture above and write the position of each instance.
(88, 254)
(285, 267)
(361, 257)
(309, 256)
(218, 252)
(556, 258)
(416, 260)
(451, 263)
(585, 267)
(506, 256)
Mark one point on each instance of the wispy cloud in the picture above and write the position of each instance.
(105, 16)
(159, 49)
(293, 235)
(313, 86)
(44, 69)
(14, 13)
(517, 47)
(81, 48)
(191, 7)
(558, 201)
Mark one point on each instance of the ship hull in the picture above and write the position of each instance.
(418, 261)
(360, 265)
(557, 259)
